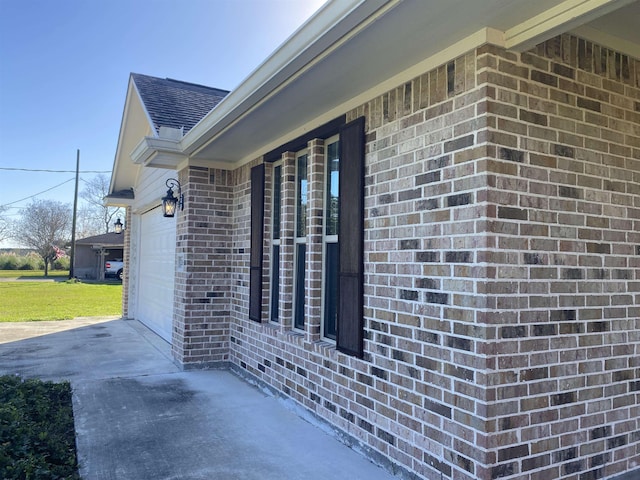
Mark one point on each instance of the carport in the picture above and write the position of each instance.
(92, 252)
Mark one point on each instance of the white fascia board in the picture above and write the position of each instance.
(475, 40)
(314, 38)
(566, 16)
(121, 160)
(158, 152)
(481, 37)
(123, 124)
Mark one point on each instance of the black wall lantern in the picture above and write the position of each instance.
(118, 226)
(170, 202)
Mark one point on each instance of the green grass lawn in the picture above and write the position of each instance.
(23, 301)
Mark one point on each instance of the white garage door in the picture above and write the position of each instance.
(157, 272)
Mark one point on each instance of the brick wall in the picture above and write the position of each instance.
(502, 284)
(565, 292)
(424, 274)
(203, 268)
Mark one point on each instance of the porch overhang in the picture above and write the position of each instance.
(350, 52)
(121, 198)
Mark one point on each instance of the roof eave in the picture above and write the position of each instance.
(159, 153)
(321, 38)
(123, 170)
(331, 23)
(566, 16)
(117, 201)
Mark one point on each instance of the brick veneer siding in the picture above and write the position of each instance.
(287, 231)
(203, 268)
(562, 322)
(502, 284)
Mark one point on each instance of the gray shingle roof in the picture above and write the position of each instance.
(116, 239)
(176, 104)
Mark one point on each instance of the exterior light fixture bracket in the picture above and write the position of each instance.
(170, 202)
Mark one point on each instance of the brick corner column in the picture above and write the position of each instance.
(202, 292)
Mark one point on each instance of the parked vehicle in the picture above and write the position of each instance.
(113, 268)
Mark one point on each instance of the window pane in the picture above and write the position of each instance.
(298, 320)
(333, 188)
(301, 196)
(331, 290)
(275, 283)
(277, 195)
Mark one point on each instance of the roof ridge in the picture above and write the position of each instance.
(183, 82)
(197, 85)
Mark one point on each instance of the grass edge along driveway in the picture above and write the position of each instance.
(25, 301)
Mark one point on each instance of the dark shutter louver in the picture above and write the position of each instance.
(350, 329)
(257, 229)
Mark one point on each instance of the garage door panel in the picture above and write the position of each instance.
(157, 272)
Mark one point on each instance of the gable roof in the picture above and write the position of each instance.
(173, 103)
(153, 104)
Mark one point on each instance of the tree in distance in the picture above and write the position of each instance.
(44, 226)
(96, 218)
(5, 227)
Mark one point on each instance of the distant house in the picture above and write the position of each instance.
(420, 220)
(92, 252)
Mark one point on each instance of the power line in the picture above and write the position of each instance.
(39, 193)
(36, 194)
(52, 171)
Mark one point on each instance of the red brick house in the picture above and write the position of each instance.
(420, 220)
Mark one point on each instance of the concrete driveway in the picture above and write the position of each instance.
(138, 416)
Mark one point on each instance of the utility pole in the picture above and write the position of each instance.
(75, 214)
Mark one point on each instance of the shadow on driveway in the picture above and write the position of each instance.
(138, 416)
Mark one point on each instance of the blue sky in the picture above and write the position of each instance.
(65, 64)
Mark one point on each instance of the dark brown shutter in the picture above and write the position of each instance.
(257, 229)
(350, 328)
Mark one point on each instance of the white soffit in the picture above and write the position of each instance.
(619, 30)
(343, 52)
(559, 19)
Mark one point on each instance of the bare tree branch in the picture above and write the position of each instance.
(5, 226)
(44, 226)
(94, 192)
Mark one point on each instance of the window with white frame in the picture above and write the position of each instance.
(300, 242)
(342, 258)
(330, 237)
(276, 209)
